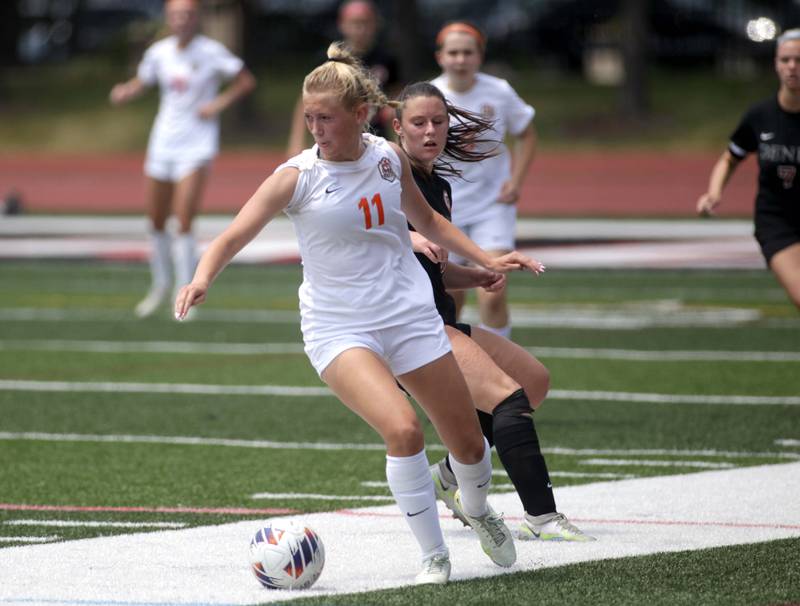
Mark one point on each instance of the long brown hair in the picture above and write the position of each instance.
(464, 135)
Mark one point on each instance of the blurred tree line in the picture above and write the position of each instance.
(613, 42)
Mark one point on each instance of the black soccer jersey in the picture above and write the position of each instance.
(774, 134)
(438, 194)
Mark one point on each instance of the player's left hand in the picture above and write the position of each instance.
(207, 111)
(509, 193)
(515, 261)
(490, 281)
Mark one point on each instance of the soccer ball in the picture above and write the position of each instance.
(286, 555)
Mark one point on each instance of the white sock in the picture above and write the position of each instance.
(503, 331)
(474, 482)
(160, 260)
(185, 259)
(412, 486)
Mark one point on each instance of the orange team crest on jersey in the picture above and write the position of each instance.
(386, 170)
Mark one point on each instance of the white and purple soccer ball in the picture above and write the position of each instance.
(286, 555)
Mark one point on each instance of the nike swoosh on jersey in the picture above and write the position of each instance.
(485, 483)
(766, 136)
(330, 189)
(411, 515)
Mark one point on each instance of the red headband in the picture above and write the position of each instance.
(461, 28)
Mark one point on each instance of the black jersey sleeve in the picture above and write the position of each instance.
(744, 140)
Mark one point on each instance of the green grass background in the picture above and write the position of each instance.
(96, 300)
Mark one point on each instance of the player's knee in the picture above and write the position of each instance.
(538, 386)
(405, 437)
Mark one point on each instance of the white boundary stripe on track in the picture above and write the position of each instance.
(94, 524)
(787, 442)
(654, 463)
(267, 444)
(298, 391)
(190, 347)
(688, 512)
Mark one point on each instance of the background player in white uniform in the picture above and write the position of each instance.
(488, 191)
(188, 69)
(367, 308)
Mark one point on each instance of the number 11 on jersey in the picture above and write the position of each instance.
(364, 206)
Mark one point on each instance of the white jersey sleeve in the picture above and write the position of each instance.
(518, 113)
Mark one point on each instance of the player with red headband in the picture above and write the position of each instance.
(487, 193)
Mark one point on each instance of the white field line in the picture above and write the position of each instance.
(45, 539)
(606, 318)
(94, 524)
(787, 442)
(288, 390)
(691, 512)
(656, 463)
(190, 347)
(319, 497)
(180, 347)
(268, 444)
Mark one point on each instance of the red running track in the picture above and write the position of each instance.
(559, 184)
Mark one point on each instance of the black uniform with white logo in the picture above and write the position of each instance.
(438, 194)
(774, 134)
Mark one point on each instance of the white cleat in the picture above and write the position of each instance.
(551, 527)
(493, 533)
(435, 570)
(445, 491)
(150, 304)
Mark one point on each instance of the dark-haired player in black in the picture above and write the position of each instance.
(772, 130)
(505, 381)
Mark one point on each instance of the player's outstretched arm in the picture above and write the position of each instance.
(269, 199)
(124, 92)
(439, 230)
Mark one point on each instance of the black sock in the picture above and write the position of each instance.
(487, 426)
(518, 448)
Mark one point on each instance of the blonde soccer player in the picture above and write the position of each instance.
(367, 313)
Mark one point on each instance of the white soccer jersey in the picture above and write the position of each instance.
(359, 271)
(187, 78)
(494, 99)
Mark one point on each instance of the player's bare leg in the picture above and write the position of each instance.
(363, 382)
(785, 264)
(441, 390)
(515, 362)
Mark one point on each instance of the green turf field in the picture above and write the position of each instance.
(98, 409)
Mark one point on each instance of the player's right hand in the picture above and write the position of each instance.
(188, 296)
(707, 205)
